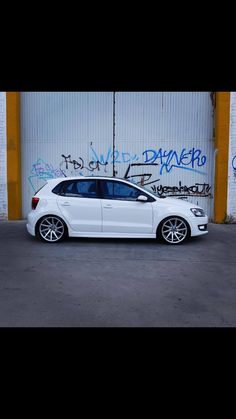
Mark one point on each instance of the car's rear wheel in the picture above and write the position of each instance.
(174, 230)
(51, 229)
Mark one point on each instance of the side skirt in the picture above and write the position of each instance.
(112, 235)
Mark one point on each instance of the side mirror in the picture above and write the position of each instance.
(142, 198)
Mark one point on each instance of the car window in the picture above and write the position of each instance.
(80, 189)
(57, 189)
(119, 190)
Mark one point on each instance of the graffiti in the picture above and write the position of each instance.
(187, 160)
(166, 159)
(43, 171)
(116, 156)
(234, 165)
(101, 158)
(97, 161)
(79, 164)
(144, 170)
(199, 189)
(144, 177)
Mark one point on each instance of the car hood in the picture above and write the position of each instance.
(178, 203)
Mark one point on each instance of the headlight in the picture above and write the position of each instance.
(198, 212)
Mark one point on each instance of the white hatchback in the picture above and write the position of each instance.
(110, 207)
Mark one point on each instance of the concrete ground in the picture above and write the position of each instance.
(104, 282)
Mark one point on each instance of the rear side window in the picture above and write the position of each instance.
(39, 189)
(77, 189)
(57, 188)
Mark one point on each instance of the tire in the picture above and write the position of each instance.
(51, 229)
(173, 230)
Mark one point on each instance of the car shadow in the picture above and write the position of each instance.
(133, 241)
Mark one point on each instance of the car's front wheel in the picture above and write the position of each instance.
(173, 230)
(51, 229)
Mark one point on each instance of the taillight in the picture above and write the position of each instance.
(34, 202)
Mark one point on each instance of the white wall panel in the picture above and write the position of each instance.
(231, 199)
(167, 139)
(56, 124)
(162, 139)
(3, 158)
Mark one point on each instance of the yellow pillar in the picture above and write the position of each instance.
(222, 122)
(13, 155)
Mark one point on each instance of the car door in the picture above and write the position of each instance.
(121, 212)
(80, 205)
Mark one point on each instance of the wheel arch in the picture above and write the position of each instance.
(51, 215)
(166, 217)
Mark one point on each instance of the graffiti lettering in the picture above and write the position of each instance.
(110, 157)
(187, 160)
(79, 164)
(144, 177)
(102, 159)
(43, 171)
(145, 169)
(199, 189)
(115, 156)
(234, 164)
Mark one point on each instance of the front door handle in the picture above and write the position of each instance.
(108, 206)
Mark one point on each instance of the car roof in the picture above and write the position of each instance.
(86, 177)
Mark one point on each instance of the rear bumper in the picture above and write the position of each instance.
(30, 229)
(31, 222)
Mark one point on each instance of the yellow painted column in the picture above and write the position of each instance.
(13, 155)
(222, 122)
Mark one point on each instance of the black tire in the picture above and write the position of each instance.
(173, 230)
(51, 229)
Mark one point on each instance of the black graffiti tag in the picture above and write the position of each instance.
(144, 177)
(199, 189)
(79, 164)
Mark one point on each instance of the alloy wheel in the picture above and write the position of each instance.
(51, 229)
(174, 230)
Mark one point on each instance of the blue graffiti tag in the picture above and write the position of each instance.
(43, 171)
(115, 156)
(234, 163)
(101, 159)
(187, 160)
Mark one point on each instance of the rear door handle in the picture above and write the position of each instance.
(108, 206)
(65, 204)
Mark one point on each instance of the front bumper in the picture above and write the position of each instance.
(202, 227)
(197, 222)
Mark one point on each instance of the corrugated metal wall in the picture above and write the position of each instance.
(163, 140)
(168, 137)
(59, 132)
(3, 158)
(231, 196)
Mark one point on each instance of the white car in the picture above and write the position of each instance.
(110, 207)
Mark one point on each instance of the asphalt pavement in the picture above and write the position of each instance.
(117, 283)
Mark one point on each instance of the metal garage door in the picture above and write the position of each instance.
(59, 131)
(163, 140)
